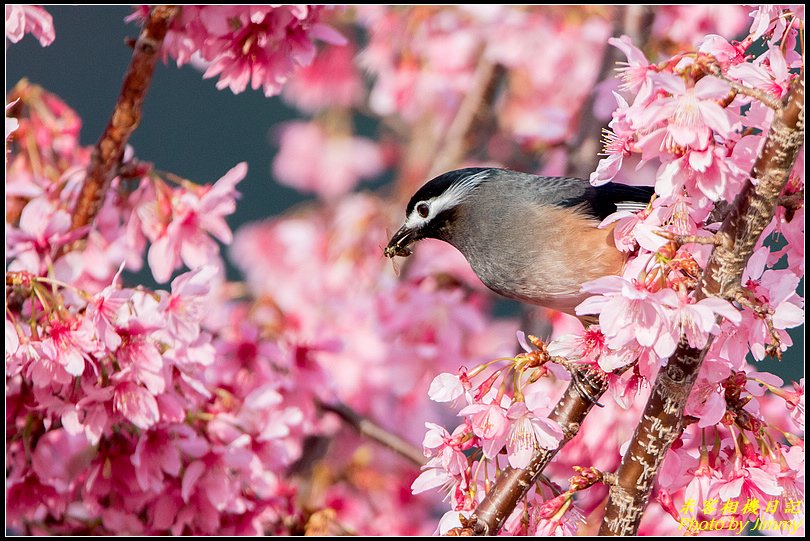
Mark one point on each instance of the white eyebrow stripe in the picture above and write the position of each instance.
(451, 197)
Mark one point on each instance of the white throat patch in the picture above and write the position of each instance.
(448, 199)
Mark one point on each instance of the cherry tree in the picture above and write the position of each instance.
(290, 402)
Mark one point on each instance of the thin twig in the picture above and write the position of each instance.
(663, 420)
(375, 432)
(473, 112)
(109, 150)
(767, 99)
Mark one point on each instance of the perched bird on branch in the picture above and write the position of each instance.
(527, 237)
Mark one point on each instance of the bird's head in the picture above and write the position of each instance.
(432, 210)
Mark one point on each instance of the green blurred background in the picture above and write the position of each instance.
(189, 127)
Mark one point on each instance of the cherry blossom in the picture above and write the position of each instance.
(21, 20)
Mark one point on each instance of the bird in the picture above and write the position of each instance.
(527, 237)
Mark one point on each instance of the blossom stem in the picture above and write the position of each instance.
(375, 432)
(472, 115)
(663, 418)
(109, 150)
(767, 99)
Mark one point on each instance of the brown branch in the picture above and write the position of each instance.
(583, 150)
(663, 420)
(375, 432)
(513, 483)
(109, 150)
(768, 99)
(473, 113)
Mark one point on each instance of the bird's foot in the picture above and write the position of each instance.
(746, 299)
(680, 240)
(590, 382)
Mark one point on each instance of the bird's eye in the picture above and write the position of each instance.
(423, 209)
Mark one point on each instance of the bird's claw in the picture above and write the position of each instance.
(590, 390)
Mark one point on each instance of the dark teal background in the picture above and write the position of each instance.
(189, 127)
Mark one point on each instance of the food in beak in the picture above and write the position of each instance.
(397, 246)
(395, 250)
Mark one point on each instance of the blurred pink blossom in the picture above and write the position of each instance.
(22, 19)
(311, 159)
(331, 80)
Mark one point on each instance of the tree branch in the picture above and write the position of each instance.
(663, 421)
(108, 151)
(375, 432)
(472, 114)
(513, 483)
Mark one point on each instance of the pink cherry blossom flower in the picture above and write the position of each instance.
(696, 320)
(69, 344)
(449, 448)
(185, 307)
(331, 80)
(746, 478)
(136, 404)
(140, 358)
(528, 433)
(709, 173)
(706, 403)
(102, 309)
(774, 78)
(618, 144)
(445, 388)
(728, 54)
(22, 19)
(690, 114)
(257, 45)
(635, 73)
(705, 482)
(193, 217)
(42, 230)
(490, 423)
(628, 313)
(566, 522)
(155, 457)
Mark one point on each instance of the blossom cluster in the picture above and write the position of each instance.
(695, 122)
(184, 409)
(260, 46)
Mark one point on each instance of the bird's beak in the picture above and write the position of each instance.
(398, 245)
